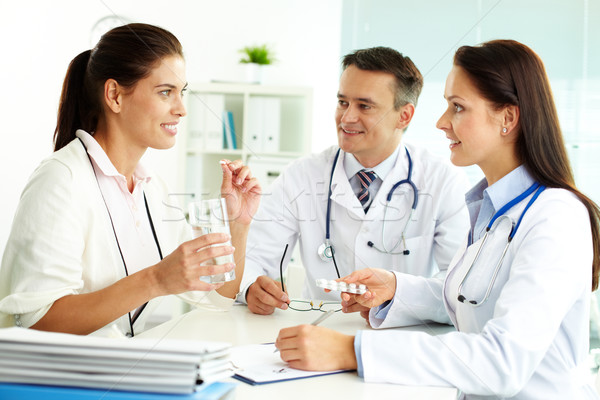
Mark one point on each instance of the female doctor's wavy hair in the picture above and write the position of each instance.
(126, 54)
(507, 72)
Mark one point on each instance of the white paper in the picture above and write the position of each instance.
(261, 364)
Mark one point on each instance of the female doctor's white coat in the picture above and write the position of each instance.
(529, 340)
(295, 210)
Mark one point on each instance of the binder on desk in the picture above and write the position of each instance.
(13, 391)
(258, 364)
(148, 365)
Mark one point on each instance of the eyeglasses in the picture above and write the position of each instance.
(307, 305)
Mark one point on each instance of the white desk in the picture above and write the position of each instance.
(239, 326)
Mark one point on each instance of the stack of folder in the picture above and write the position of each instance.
(147, 365)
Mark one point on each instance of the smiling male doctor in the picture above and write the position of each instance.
(378, 92)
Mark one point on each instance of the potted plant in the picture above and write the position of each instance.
(254, 59)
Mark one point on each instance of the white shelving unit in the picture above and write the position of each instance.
(201, 175)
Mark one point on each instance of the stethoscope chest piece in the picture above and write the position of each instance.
(325, 251)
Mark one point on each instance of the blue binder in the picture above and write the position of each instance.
(14, 391)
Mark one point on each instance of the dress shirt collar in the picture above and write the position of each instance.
(484, 201)
(102, 161)
(507, 188)
(352, 166)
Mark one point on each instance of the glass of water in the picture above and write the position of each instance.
(210, 216)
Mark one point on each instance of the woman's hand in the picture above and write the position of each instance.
(181, 270)
(381, 285)
(240, 190)
(314, 348)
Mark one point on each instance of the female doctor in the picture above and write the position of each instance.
(518, 292)
(94, 240)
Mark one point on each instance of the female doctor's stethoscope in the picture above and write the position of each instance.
(326, 251)
(537, 188)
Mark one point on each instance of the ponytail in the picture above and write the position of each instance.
(75, 110)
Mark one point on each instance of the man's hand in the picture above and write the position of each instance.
(265, 295)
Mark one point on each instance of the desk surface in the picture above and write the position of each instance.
(239, 326)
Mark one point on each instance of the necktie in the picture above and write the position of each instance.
(365, 178)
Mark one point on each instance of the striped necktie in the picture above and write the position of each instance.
(364, 196)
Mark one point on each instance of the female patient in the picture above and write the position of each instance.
(518, 292)
(93, 225)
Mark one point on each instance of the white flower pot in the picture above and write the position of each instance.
(254, 73)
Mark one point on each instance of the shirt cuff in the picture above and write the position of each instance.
(381, 311)
(241, 296)
(359, 366)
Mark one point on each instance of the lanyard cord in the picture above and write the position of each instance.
(140, 309)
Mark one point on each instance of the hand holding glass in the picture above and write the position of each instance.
(210, 216)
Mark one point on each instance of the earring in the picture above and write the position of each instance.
(504, 130)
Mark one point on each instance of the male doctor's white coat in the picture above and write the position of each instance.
(295, 210)
(529, 340)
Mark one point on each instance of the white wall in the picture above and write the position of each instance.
(39, 38)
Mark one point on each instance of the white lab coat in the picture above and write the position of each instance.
(529, 340)
(295, 210)
(62, 243)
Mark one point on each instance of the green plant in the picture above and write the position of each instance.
(257, 54)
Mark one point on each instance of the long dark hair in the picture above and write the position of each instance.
(507, 72)
(126, 54)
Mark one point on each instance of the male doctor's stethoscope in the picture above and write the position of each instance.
(326, 251)
(537, 188)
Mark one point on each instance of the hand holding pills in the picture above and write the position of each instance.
(341, 286)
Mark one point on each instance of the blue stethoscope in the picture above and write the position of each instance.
(537, 188)
(326, 251)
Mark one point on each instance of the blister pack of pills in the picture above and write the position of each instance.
(341, 286)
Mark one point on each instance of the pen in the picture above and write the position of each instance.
(317, 321)
(322, 317)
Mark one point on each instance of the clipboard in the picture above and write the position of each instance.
(258, 364)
